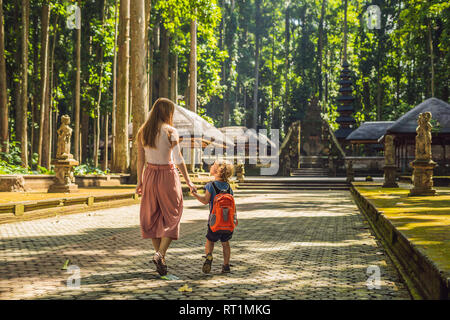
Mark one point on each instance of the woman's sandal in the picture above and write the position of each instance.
(207, 264)
(161, 266)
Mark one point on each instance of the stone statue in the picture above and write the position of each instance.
(64, 162)
(350, 172)
(423, 138)
(287, 165)
(423, 164)
(240, 172)
(64, 136)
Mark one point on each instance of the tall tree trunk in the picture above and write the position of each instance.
(84, 154)
(121, 155)
(4, 113)
(430, 42)
(17, 107)
(287, 41)
(44, 76)
(257, 49)
(46, 139)
(34, 88)
(174, 80)
(24, 84)
(192, 84)
(148, 50)
(164, 74)
(106, 144)
(230, 31)
(138, 76)
(320, 50)
(51, 72)
(151, 64)
(272, 80)
(193, 68)
(97, 113)
(76, 140)
(156, 63)
(379, 76)
(114, 84)
(100, 86)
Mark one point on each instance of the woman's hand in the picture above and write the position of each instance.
(139, 188)
(192, 187)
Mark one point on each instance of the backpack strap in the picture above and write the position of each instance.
(217, 190)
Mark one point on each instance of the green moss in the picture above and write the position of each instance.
(425, 221)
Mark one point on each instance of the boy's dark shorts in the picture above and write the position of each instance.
(216, 236)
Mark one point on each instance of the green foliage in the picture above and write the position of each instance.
(391, 66)
(13, 156)
(87, 169)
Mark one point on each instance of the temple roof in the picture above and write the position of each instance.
(342, 133)
(439, 109)
(370, 131)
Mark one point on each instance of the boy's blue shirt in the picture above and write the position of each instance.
(220, 185)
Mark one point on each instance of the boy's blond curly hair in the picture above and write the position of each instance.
(225, 169)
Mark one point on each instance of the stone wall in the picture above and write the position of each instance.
(17, 183)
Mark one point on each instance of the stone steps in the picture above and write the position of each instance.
(309, 172)
(297, 183)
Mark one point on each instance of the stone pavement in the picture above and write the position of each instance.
(288, 245)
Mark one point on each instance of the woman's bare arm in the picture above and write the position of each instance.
(140, 160)
(182, 167)
(178, 157)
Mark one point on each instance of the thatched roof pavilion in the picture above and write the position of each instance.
(366, 136)
(369, 132)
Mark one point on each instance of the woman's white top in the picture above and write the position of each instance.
(164, 153)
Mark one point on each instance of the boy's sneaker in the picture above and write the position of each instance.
(226, 268)
(207, 264)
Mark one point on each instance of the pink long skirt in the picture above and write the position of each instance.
(162, 202)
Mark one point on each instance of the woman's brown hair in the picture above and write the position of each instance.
(162, 112)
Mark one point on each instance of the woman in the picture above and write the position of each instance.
(159, 183)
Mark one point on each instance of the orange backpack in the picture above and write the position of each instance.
(223, 217)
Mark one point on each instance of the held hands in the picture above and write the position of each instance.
(192, 187)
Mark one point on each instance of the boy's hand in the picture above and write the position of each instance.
(192, 187)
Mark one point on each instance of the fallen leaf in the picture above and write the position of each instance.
(185, 288)
(65, 264)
